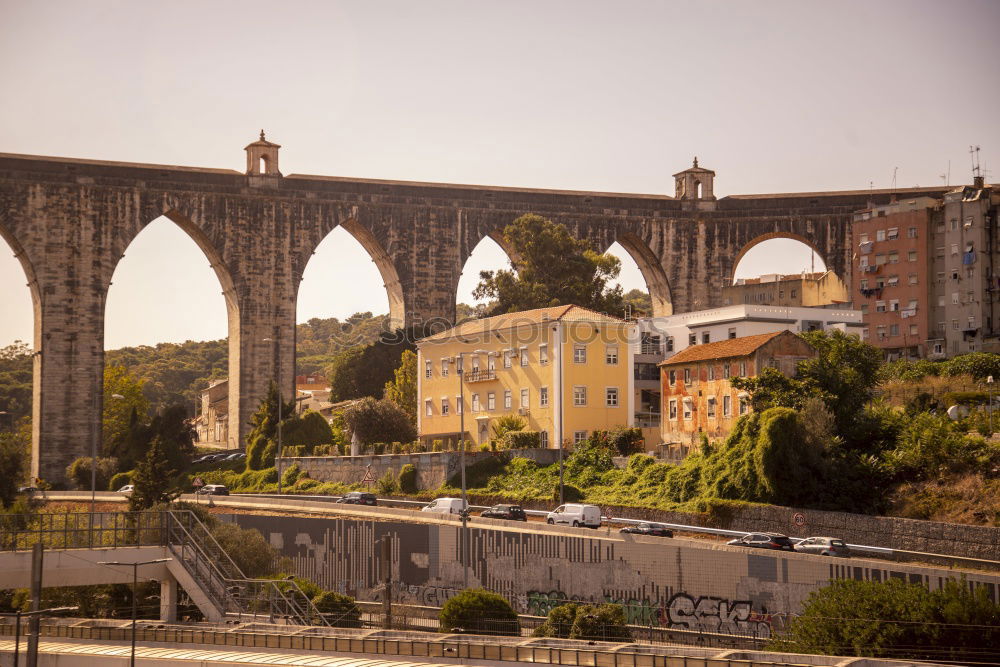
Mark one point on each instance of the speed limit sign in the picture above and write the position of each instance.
(799, 519)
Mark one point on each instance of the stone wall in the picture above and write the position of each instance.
(675, 583)
(433, 468)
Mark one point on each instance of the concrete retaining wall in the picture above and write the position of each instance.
(433, 468)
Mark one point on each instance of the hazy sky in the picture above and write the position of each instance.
(614, 96)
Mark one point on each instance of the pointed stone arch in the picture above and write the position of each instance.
(386, 268)
(652, 271)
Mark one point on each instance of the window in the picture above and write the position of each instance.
(864, 334)
(954, 325)
(475, 364)
(710, 407)
(459, 408)
(894, 330)
(894, 257)
(579, 396)
(970, 272)
(864, 238)
(491, 401)
(912, 256)
(911, 233)
(543, 439)
(913, 279)
(444, 368)
(912, 305)
(579, 354)
(938, 348)
(672, 408)
(732, 332)
(892, 234)
(688, 409)
(475, 403)
(670, 343)
(507, 399)
(428, 408)
(524, 399)
(543, 354)
(879, 283)
(864, 283)
(491, 362)
(863, 262)
(940, 276)
(506, 358)
(706, 337)
(692, 339)
(864, 308)
(893, 281)
(524, 356)
(711, 371)
(727, 406)
(459, 364)
(611, 355)
(941, 299)
(880, 306)
(954, 298)
(543, 397)
(793, 294)
(687, 376)
(743, 369)
(725, 370)
(914, 330)
(745, 403)
(673, 378)
(893, 305)
(880, 235)
(444, 407)
(611, 397)
(879, 259)
(579, 436)
(428, 368)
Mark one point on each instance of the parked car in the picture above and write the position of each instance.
(647, 528)
(824, 546)
(358, 498)
(27, 489)
(764, 541)
(509, 512)
(128, 488)
(213, 490)
(238, 456)
(573, 514)
(200, 459)
(444, 506)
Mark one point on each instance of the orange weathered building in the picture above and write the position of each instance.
(697, 396)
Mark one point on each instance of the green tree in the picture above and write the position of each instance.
(550, 268)
(640, 302)
(378, 421)
(152, 479)
(407, 480)
(505, 424)
(893, 619)
(16, 373)
(478, 611)
(365, 370)
(307, 429)
(15, 460)
(120, 414)
(604, 622)
(559, 622)
(340, 611)
(979, 365)
(248, 549)
(262, 437)
(79, 472)
(402, 390)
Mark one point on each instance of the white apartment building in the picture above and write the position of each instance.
(662, 337)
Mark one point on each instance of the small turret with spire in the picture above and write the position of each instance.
(695, 186)
(262, 157)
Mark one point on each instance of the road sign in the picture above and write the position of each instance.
(369, 478)
(197, 482)
(799, 519)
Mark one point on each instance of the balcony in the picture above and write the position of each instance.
(480, 376)
(651, 348)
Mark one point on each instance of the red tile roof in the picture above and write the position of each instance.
(724, 349)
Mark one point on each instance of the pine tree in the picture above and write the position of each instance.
(152, 479)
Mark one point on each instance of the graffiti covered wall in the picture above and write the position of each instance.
(669, 583)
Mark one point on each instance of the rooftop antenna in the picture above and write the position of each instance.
(894, 170)
(974, 156)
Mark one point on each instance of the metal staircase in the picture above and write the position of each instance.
(225, 585)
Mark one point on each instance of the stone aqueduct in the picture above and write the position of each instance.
(70, 221)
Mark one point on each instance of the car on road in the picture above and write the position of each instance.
(775, 541)
(128, 488)
(213, 490)
(824, 546)
(648, 528)
(445, 506)
(509, 512)
(358, 498)
(27, 489)
(573, 514)
(237, 456)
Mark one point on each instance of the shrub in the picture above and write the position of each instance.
(339, 610)
(605, 622)
(437, 446)
(407, 479)
(387, 483)
(119, 480)
(79, 472)
(571, 494)
(559, 622)
(520, 440)
(479, 611)
(290, 475)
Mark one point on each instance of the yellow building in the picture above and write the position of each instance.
(566, 370)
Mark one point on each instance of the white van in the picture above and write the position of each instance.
(444, 506)
(572, 514)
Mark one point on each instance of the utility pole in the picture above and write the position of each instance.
(461, 443)
(36, 602)
(387, 579)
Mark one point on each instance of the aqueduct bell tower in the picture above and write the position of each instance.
(695, 188)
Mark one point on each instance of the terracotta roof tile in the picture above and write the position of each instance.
(568, 313)
(724, 349)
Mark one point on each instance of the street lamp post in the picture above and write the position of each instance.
(989, 383)
(277, 456)
(17, 626)
(460, 368)
(135, 586)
